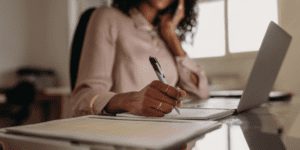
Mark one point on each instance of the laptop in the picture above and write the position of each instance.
(273, 96)
(264, 72)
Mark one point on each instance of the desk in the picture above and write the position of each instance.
(273, 126)
(50, 103)
(47, 105)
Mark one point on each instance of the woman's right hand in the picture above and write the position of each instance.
(155, 100)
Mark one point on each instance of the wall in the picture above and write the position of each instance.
(290, 72)
(34, 33)
(38, 33)
(48, 39)
(13, 37)
(76, 8)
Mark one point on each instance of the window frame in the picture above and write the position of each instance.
(230, 55)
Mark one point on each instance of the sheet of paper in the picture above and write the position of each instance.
(122, 132)
(191, 114)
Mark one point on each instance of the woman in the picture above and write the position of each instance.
(115, 75)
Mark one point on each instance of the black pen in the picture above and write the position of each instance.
(159, 73)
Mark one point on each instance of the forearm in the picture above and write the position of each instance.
(190, 73)
(175, 47)
(87, 100)
(173, 43)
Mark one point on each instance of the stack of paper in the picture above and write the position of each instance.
(119, 131)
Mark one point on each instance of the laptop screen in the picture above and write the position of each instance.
(266, 67)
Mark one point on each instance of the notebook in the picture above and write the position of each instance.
(189, 114)
(116, 131)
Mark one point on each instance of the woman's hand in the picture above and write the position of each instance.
(169, 22)
(168, 26)
(155, 100)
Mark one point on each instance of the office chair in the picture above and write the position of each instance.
(19, 98)
(77, 45)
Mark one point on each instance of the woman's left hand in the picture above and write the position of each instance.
(169, 22)
(167, 28)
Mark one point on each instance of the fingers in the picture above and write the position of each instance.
(180, 11)
(150, 112)
(182, 92)
(153, 108)
(169, 90)
(159, 96)
(181, 5)
(160, 106)
(150, 108)
(156, 99)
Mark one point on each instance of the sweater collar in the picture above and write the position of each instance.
(140, 21)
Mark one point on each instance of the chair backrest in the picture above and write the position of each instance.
(77, 45)
(18, 102)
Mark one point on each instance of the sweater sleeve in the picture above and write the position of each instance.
(94, 82)
(185, 67)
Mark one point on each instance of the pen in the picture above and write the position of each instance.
(159, 73)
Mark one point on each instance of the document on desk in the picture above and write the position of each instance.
(191, 114)
(119, 131)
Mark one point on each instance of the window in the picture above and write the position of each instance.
(231, 26)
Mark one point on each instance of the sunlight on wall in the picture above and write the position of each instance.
(246, 26)
(210, 37)
(248, 22)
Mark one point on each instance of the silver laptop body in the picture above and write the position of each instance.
(261, 80)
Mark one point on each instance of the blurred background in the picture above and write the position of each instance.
(35, 39)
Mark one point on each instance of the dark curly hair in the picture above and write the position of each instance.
(187, 24)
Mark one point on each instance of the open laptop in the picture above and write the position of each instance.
(264, 72)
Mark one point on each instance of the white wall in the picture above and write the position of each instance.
(13, 37)
(48, 36)
(38, 33)
(289, 77)
(34, 33)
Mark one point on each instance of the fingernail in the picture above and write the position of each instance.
(183, 93)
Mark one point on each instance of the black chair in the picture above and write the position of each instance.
(19, 98)
(77, 45)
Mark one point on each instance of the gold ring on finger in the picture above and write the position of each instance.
(166, 91)
(178, 102)
(159, 106)
(178, 92)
